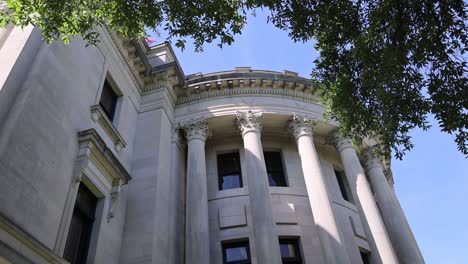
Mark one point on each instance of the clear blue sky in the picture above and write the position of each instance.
(432, 180)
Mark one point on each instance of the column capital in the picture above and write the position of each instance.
(340, 143)
(197, 129)
(177, 136)
(249, 122)
(389, 176)
(301, 126)
(370, 159)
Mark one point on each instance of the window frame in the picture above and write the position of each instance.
(365, 256)
(222, 173)
(234, 244)
(343, 185)
(88, 216)
(281, 164)
(297, 249)
(108, 89)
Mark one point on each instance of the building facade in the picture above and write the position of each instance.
(110, 154)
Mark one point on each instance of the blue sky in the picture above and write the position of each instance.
(432, 180)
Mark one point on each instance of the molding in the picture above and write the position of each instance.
(92, 147)
(114, 54)
(98, 115)
(28, 243)
(206, 95)
(125, 49)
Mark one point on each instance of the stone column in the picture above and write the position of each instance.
(265, 235)
(197, 237)
(362, 194)
(333, 248)
(398, 228)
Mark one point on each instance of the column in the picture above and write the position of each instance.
(382, 250)
(333, 248)
(398, 228)
(197, 237)
(265, 235)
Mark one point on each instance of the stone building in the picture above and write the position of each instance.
(110, 154)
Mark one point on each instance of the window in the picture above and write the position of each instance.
(108, 100)
(290, 251)
(79, 235)
(274, 166)
(344, 186)
(236, 253)
(365, 256)
(229, 171)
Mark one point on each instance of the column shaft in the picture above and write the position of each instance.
(334, 250)
(363, 195)
(398, 228)
(197, 237)
(265, 235)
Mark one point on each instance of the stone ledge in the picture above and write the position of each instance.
(98, 115)
(26, 245)
(93, 147)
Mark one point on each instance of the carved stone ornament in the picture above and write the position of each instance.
(195, 130)
(114, 199)
(369, 158)
(249, 121)
(339, 142)
(177, 136)
(301, 126)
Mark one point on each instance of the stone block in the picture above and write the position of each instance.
(233, 216)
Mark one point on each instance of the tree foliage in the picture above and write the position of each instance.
(384, 65)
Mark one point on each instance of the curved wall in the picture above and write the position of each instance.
(230, 215)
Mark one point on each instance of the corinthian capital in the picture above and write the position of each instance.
(249, 122)
(339, 142)
(369, 158)
(195, 130)
(301, 126)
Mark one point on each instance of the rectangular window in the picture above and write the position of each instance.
(108, 100)
(81, 226)
(365, 257)
(236, 252)
(274, 166)
(290, 251)
(229, 171)
(344, 186)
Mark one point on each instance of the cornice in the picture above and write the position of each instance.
(128, 53)
(93, 147)
(244, 80)
(206, 95)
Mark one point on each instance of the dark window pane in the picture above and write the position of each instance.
(229, 171)
(274, 166)
(236, 253)
(79, 235)
(290, 252)
(108, 100)
(342, 183)
(231, 182)
(365, 257)
(287, 250)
